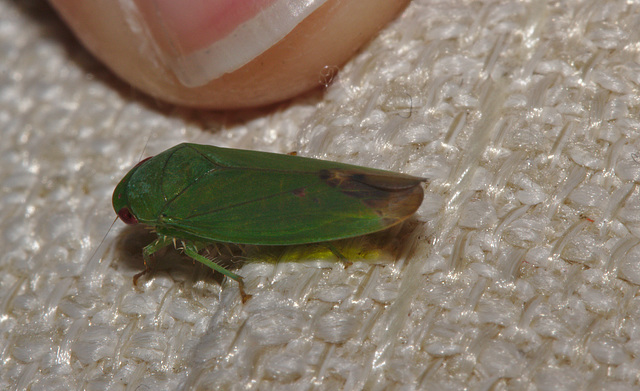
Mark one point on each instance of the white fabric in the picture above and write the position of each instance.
(520, 270)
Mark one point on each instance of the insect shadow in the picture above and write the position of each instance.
(133, 238)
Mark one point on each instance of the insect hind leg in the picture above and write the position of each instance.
(338, 254)
(192, 251)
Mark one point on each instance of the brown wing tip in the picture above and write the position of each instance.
(398, 206)
(393, 197)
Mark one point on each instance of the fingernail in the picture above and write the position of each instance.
(201, 40)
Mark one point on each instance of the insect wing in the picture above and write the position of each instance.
(253, 197)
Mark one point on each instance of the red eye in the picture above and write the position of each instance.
(126, 216)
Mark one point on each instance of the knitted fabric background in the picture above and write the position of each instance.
(520, 271)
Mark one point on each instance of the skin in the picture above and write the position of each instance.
(324, 40)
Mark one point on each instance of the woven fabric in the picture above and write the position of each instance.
(520, 271)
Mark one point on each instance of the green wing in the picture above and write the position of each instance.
(250, 197)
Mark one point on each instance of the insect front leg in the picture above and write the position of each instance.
(148, 251)
(192, 251)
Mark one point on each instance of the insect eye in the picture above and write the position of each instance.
(126, 216)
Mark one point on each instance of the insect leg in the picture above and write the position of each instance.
(148, 251)
(338, 254)
(192, 251)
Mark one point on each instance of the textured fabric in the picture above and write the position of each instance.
(520, 271)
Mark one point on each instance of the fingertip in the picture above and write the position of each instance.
(204, 40)
(227, 57)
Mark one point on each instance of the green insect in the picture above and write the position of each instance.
(199, 194)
